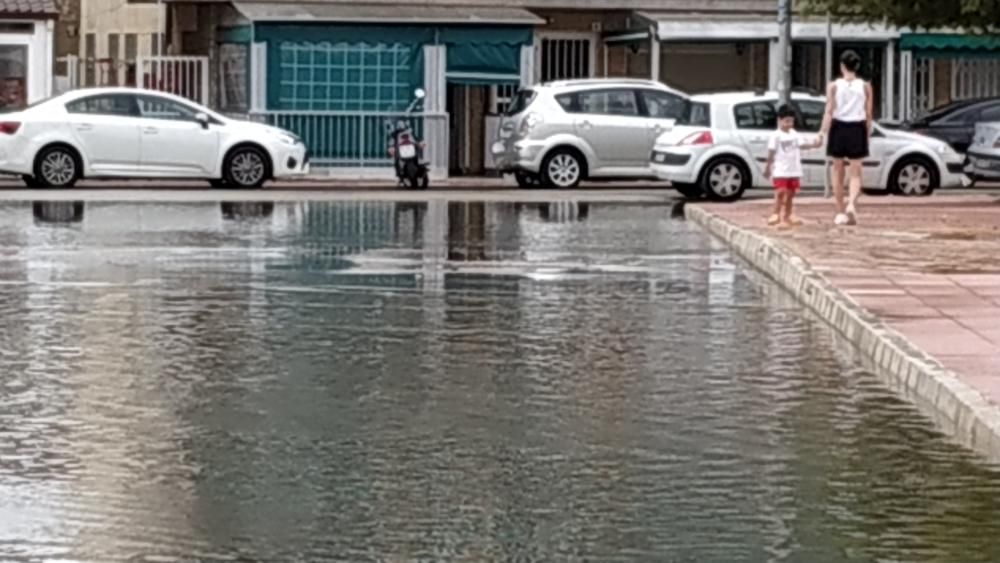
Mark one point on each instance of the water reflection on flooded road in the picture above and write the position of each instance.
(364, 381)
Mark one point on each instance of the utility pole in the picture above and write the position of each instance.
(785, 48)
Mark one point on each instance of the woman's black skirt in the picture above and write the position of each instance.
(848, 139)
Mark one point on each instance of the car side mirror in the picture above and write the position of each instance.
(202, 118)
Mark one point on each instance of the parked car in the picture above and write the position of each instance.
(724, 158)
(984, 154)
(132, 133)
(955, 123)
(561, 133)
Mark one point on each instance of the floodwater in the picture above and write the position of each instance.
(442, 382)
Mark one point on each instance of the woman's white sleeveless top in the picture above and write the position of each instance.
(851, 97)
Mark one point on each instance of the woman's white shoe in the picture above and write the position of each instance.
(840, 220)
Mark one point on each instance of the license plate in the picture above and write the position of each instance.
(407, 151)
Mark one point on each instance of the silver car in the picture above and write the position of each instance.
(984, 154)
(561, 133)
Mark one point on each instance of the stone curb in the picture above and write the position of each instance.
(959, 409)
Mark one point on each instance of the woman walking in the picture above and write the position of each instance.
(848, 127)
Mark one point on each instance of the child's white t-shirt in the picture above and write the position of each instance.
(787, 147)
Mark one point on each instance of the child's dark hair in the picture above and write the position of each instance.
(851, 61)
(785, 110)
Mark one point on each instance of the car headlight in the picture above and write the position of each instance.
(944, 149)
(285, 137)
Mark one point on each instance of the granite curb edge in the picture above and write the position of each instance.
(959, 409)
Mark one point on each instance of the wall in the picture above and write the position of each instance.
(707, 67)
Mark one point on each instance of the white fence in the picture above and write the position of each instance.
(185, 76)
(975, 78)
(359, 140)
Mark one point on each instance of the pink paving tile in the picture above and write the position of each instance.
(913, 313)
(978, 280)
(987, 311)
(986, 292)
(958, 300)
(991, 334)
(941, 337)
(896, 303)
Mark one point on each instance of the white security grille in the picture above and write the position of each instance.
(975, 78)
(923, 85)
(184, 76)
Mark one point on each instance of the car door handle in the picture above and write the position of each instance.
(758, 140)
(585, 124)
(150, 130)
(84, 127)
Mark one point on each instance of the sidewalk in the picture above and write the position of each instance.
(929, 268)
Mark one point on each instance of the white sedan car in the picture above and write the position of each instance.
(725, 155)
(131, 133)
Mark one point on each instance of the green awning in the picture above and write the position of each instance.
(485, 54)
(950, 44)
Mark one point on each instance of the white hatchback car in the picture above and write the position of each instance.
(132, 133)
(725, 157)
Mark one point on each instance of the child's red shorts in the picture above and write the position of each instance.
(792, 185)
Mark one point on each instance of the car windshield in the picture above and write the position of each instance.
(520, 102)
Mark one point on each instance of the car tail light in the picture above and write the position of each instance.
(9, 127)
(699, 138)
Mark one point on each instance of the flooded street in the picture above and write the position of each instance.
(443, 381)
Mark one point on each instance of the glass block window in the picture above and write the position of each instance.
(345, 77)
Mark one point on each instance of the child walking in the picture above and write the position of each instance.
(784, 166)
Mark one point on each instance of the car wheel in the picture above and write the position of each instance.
(57, 167)
(725, 179)
(689, 191)
(913, 176)
(246, 167)
(527, 180)
(563, 169)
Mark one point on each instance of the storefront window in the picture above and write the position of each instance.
(13, 77)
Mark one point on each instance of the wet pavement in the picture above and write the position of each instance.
(929, 267)
(461, 381)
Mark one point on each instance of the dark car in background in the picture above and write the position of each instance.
(955, 123)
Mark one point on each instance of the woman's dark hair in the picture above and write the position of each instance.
(851, 61)
(785, 110)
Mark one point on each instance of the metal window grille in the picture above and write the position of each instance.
(975, 78)
(565, 58)
(501, 96)
(345, 77)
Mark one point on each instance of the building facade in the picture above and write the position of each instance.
(26, 51)
(335, 71)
